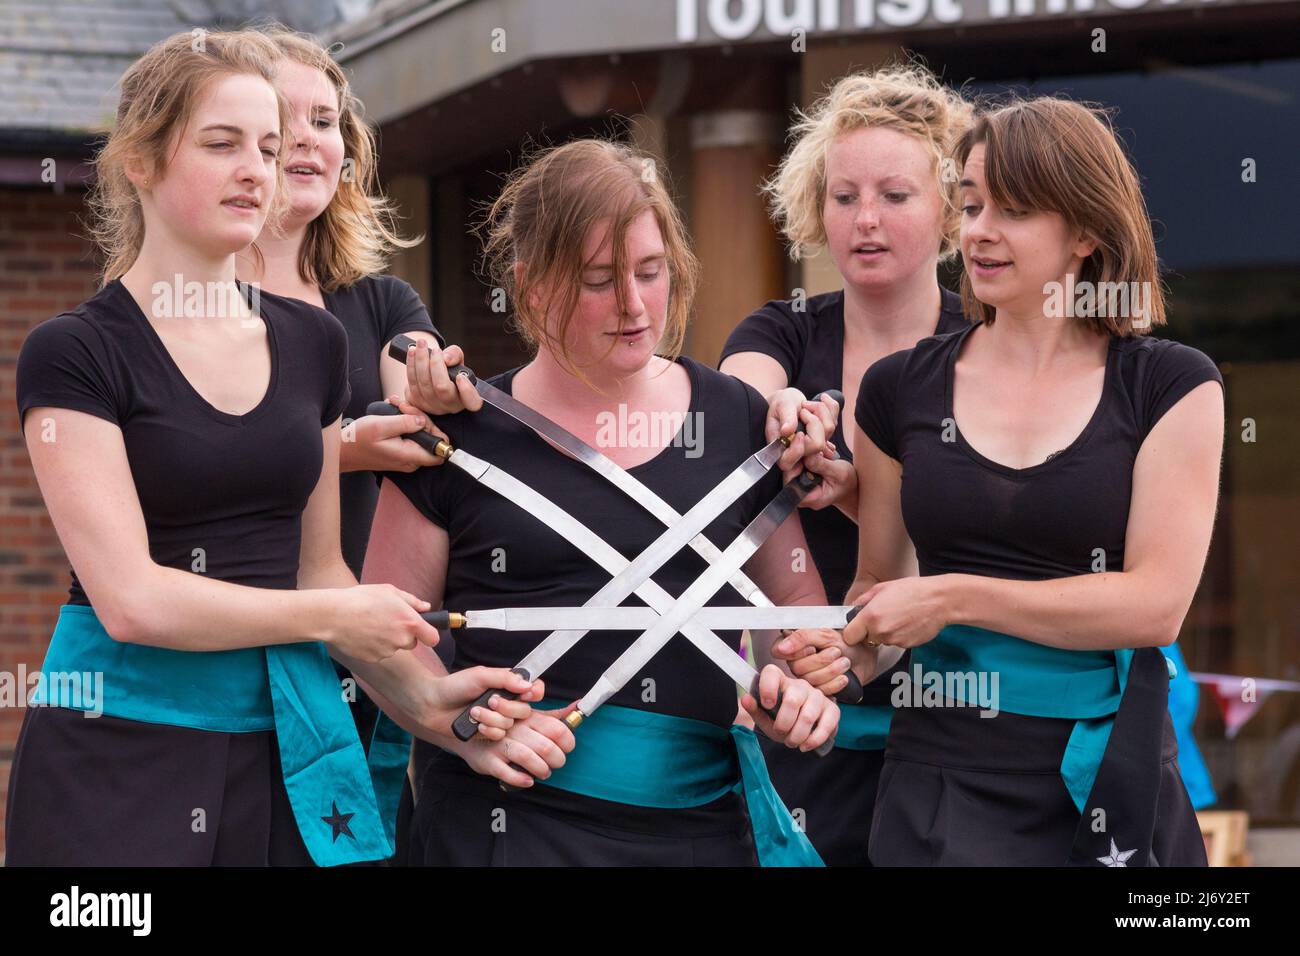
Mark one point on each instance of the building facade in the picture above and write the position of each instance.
(1207, 97)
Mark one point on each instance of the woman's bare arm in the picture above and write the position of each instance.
(760, 371)
(409, 551)
(86, 481)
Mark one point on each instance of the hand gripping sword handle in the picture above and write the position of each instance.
(853, 692)
(771, 712)
(834, 394)
(401, 343)
(466, 726)
(429, 443)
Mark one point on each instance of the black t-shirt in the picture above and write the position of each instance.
(234, 486)
(967, 514)
(373, 311)
(809, 345)
(501, 556)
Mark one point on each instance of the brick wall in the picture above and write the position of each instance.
(44, 269)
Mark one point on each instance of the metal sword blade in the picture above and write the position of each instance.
(628, 578)
(667, 515)
(615, 475)
(597, 618)
(631, 577)
(596, 548)
(645, 647)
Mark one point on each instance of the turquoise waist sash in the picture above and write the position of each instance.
(863, 726)
(1039, 681)
(345, 806)
(657, 760)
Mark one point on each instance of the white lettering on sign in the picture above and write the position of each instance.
(732, 20)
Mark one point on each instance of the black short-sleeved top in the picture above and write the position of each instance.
(809, 345)
(373, 311)
(967, 514)
(234, 486)
(502, 556)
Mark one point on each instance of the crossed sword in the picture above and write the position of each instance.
(665, 616)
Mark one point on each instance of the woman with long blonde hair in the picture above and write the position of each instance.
(185, 429)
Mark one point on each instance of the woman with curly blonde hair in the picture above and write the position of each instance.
(867, 180)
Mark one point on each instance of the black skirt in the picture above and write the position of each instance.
(464, 819)
(837, 794)
(959, 789)
(104, 791)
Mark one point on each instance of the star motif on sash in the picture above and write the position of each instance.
(339, 822)
(1116, 857)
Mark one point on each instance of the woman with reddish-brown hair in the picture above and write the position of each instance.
(586, 241)
(1053, 472)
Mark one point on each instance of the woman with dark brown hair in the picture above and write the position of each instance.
(588, 244)
(1053, 470)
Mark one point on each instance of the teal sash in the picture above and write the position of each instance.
(657, 760)
(343, 815)
(863, 726)
(1033, 679)
(388, 757)
(217, 690)
(1040, 681)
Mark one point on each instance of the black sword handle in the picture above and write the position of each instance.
(853, 692)
(771, 712)
(438, 619)
(466, 726)
(422, 438)
(398, 347)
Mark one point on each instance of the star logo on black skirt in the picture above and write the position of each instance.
(1116, 857)
(339, 822)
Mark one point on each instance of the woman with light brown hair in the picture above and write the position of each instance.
(1053, 471)
(587, 243)
(184, 429)
(868, 180)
